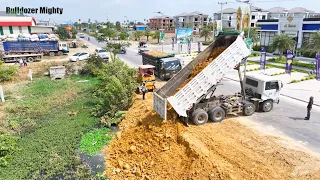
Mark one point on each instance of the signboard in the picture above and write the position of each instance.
(291, 33)
(318, 67)
(263, 58)
(183, 34)
(289, 61)
(161, 35)
(199, 47)
(249, 42)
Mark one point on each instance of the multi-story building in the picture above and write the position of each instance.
(193, 20)
(159, 22)
(229, 17)
(298, 23)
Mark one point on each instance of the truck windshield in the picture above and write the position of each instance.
(172, 65)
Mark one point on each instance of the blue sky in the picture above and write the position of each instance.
(139, 9)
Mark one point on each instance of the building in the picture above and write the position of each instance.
(159, 22)
(140, 27)
(298, 26)
(15, 24)
(193, 20)
(229, 17)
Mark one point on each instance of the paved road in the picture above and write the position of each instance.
(287, 116)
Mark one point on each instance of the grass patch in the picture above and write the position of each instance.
(280, 67)
(93, 141)
(50, 133)
(294, 63)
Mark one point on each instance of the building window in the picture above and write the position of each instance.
(20, 29)
(253, 17)
(10, 29)
(252, 24)
(229, 18)
(204, 19)
(229, 24)
(171, 20)
(164, 20)
(29, 29)
(1, 30)
(263, 16)
(195, 19)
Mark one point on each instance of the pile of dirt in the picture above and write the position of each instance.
(197, 69)
(156, 53)
(148, 148)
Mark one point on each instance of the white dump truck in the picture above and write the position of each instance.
(196, 101)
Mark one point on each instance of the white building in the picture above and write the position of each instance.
(229, 17)
(193, 20)
(15, 24)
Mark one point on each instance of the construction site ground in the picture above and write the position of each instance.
(149, 148)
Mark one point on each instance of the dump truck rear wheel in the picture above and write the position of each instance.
(267, 106)
(248, 109)
(199, 117)
(217, 114)
(30, 59)
(51, 53)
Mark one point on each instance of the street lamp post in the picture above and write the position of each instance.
(161, 28)
(221, 13)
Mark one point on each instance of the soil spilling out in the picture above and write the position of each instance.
(149, 148)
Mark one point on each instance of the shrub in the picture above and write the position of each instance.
(7, 73)
(294, 81)
(8, 145)
(207, 43)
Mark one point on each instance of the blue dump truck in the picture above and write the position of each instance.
(50, 48)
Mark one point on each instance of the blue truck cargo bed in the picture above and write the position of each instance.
(30, 46)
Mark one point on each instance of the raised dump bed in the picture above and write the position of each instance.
(236, 50)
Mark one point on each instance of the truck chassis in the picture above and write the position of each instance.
(28, 57)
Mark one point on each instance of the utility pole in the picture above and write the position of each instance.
(221, 12)
(162, 30)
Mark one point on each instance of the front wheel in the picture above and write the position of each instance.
(248, 109)
(60, 53)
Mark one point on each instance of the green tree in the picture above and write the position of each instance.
(312, 44)
(123, 36)
(115, 92)
(118, 25)
(156, 35)
(74, 32)
(63, 33)
(205, 32)
(254, 35)
(147, 33)
(138, 34)
(281, 43)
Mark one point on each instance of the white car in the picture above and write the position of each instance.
(102, 53)
(79, 56)
(81, 35)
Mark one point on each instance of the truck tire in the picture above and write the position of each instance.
(248, 109)
(162, 78)
(267, 106)
(60, 53)
(199, 117)
(30, 59)
(217, 114)
(51, 53)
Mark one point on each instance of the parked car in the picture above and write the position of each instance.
(80, 56)
(81, 35)
(102, 54)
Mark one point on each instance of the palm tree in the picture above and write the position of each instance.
(312, 44)
(137, 34)
(205, 32)
(147, 33)
(156, 35)
(281, 43)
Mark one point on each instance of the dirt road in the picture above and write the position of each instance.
(148, 148)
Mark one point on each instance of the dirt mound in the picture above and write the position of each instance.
(149, 148)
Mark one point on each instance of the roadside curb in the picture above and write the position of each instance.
(281, 94)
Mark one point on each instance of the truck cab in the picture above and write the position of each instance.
(63, 46)
(169, 67)
(264, 89)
